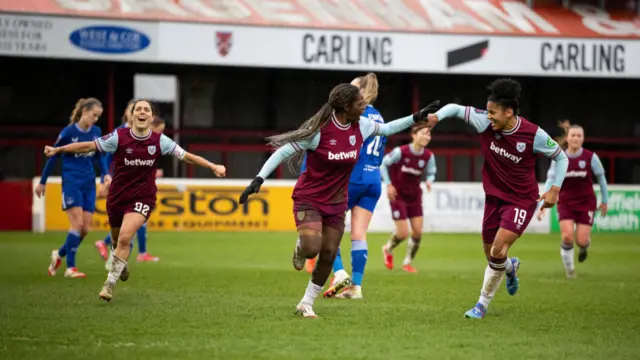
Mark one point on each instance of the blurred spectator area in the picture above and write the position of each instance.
(224, 114)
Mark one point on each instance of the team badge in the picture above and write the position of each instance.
(151, 149)
(352, 140)
(300, 215)
(582, 164)
(498, 136)
(224, 41)
(421, 163)
(74, 139)
(521, 147)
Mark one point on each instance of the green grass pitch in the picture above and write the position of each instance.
(233, 295)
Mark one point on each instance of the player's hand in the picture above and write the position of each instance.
(219, 170)
(432, 120)
(550, 198)
(603, 209)
(425, 111)
(253, 188)
(428, 186)
(103, 190)
(159, 173)
(540, 215)
(107, 181)
(39, 190)
(392, 193)
(50, 151)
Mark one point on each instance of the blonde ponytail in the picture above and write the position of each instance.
(369, 87)
(83, 104)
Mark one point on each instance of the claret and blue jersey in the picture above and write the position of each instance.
(78, 174)
(365, 180)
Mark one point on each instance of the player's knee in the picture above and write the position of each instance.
(567, 237)
(328, 253)
(124, 237)
(499, 251)
(311, 244)
(583, 241)
(402, 234)
(416, 236)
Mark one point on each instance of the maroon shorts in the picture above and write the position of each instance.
(401, 209)
(584, 217)
(116, 212)
(311, 215)
(501, 214)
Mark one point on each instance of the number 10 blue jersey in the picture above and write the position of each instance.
(367, 169)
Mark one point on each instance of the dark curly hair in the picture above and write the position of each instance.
(506, 93)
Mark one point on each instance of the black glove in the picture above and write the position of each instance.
(429, 109)
(253, 188)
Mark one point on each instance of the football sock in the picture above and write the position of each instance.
(311, 293)
(493, 275)
(412, 249)
(393, 242)
(359, 252)
(116, 269)
(142, 239)
(107, 240)
(71, 245)
(337, 263)
(566, 253)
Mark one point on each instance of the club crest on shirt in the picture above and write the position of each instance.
(74, 139)
(300, 215)
(151, 149)
(352, 140)
(582, 164)
(421, 163)
(521, 147)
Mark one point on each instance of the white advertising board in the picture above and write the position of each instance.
(234, 45)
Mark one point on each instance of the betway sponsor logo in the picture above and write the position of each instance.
(576, 174)
(343, 155)
(504, 153)
(138, 162)
(410, 170)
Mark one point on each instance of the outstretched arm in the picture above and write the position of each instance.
(79, 147)
(369, 127)
(472, 116)
(170, 147)
(285, 152)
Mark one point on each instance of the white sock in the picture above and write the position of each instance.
(492, 280)
(311, 293)
(117, 267)
(412, 249)
(566, 252)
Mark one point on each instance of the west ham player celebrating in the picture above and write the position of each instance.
(132, 196)
(332, 139)
(509, 145)
(78, 182)
(364, 192)
(577, 203)
(408, 163)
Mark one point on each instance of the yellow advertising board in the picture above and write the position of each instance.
(195, 206)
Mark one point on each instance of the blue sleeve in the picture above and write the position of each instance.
(51, 162)
(369, 127)
(431, 169)
(286, 151)
(598, 171)
(104, 168)
(388, 160)
(472, 116)
(544, 144)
